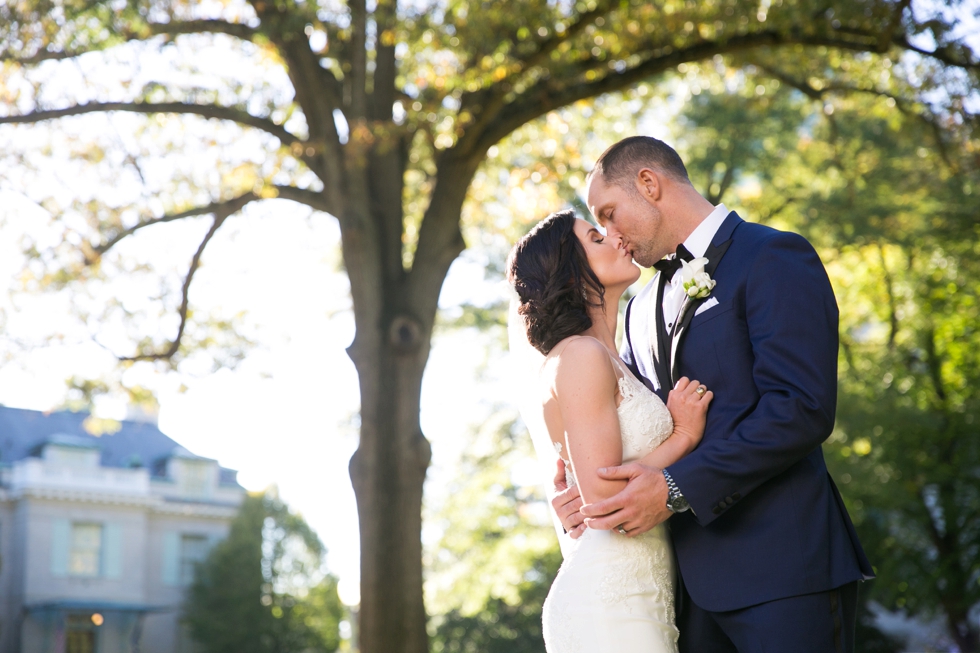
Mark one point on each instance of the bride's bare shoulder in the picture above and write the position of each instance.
(581, 359)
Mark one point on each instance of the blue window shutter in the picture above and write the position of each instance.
(112, 550)
(60, 537)
(171, 559)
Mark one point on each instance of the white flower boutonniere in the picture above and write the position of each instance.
(697, 283)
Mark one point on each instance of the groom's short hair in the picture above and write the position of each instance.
(621, 163)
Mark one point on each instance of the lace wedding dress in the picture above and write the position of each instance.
(615, 594)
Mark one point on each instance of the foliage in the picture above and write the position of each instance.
(907, 445)
(490, 571)
(261, 590)
(494, 521)
(499, 626)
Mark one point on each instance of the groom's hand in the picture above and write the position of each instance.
(567, 502)
(638, 507)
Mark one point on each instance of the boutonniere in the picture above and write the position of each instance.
(697, 283)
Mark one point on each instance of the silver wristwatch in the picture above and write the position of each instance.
(675, 500)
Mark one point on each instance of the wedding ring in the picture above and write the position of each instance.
(622, 530)
(701, 390)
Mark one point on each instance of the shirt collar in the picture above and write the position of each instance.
(697, 243)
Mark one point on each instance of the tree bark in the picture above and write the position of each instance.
(387, 472)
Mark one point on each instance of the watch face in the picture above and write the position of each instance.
(679, 504)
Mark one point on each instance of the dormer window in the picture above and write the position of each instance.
(195, 478)
(65, 450)
(71, 456)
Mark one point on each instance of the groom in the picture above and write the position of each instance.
(768, 557)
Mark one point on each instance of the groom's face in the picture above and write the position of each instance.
(628, 216)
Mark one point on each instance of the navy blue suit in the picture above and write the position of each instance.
(767, 522)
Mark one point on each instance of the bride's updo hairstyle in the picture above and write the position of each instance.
(550, 272)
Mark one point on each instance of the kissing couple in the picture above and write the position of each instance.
(698, 512)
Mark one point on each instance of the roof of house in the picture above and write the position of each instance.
(24, 432)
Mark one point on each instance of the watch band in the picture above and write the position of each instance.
(675, 500)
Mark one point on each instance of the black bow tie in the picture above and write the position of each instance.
(668, 266)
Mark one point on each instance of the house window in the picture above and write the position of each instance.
(71, 457)
(86, 549)
(80, 634)
(193, 550)
(196, 478)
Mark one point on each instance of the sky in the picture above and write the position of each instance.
(284, 416)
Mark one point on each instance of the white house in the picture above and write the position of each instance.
(99, 535)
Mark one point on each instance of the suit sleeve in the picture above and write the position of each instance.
(792, 319)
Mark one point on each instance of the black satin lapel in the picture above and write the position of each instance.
(714, 254)
(661, 359)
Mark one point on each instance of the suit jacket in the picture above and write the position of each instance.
(767, 521)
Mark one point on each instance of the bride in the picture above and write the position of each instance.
(615, 591)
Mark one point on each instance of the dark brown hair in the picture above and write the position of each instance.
(551, 274)
(621, 163)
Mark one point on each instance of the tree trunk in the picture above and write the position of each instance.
(394, 311)
(390, 349)
(967, 638)
(387, 472)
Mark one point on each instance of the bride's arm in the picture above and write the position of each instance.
(585, 391)
(689, 412)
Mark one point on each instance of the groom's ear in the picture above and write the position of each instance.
(649, 185)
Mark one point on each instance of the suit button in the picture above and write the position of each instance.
(729, 500)
(736, 496)
(716, 510)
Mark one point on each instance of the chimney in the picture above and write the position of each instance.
(144, 412)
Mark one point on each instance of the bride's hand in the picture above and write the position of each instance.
(689, 409)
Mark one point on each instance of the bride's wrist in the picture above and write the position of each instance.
(690, 440)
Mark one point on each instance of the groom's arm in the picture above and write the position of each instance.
(792, 319)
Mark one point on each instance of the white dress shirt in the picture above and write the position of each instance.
(697, 243)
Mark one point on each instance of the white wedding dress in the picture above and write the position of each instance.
(615, 594)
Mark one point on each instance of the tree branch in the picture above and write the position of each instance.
(943, 55)
(547, 96)
(440, 238)
(892, 303)
(174, 347)
(358, 75)
(888, 34)
(902, 104)
(383, 88)
(487, 103)
(726, 181)
(311, 198)
(549, 45)
(318, 94)
(935, 366)
(946, 54)
(316, 200)
(174, 28)
(210, 111)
